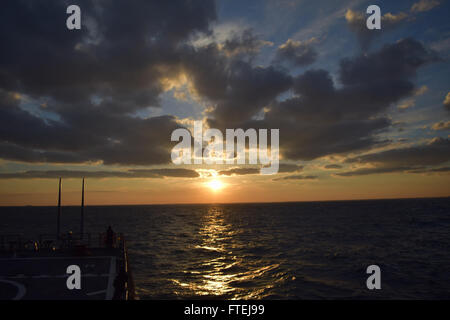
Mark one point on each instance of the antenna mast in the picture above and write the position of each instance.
(59, 211)
(82, 211)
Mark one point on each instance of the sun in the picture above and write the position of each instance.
(215, 185)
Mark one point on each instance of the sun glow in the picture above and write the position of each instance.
(215, 185)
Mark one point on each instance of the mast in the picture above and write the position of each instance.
(59, 211)
(82, 211)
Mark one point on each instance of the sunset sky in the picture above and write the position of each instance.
(361, 113)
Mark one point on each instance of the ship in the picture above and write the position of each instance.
(42, 268)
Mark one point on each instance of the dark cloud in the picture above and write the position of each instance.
(92, 80)
(115, 54)
(84, 136)
(321, 119)
(431, 171)
(415, 159)
(446, 102)
(282, 168)
(132, 173)
(238, 171)
(18, 126)
(395, 64)
(415, 169)
(287, 167)
(14, 152)
(296, 177)
(333, 166)
(435, 152)
(296, 53)
(245, 44)
(237, 89)
(367, 171)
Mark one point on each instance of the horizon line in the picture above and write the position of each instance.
(228, 203)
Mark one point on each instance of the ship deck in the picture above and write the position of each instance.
(41, 276)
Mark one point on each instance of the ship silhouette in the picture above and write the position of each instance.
(36, 269)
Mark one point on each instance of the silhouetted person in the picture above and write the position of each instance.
(119, 284)
(109, 237)
(69, 239)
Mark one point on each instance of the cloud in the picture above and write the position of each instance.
(79, 66)
(431, 171)
(333, 166)
(236, 89)
(411, 102)
(381, 170)
(238, 171)
(424, 5)
(408, 103)
(132, 173)
(446, 101)
(441, 125)
(165, 172)
(14, 152)
(243, 44)
(297, 53)
(442, 46)
(92, 81)
(296, 177)
(282, 168)
(368, 171)
(87, 136)
(435, 152)
(357, 23)
(321, 119)
(420, 91)
(286, 167)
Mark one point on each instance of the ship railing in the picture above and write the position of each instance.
(124, 284)
(16, 242)
(13, 242)
(113, 241)
(69, 240)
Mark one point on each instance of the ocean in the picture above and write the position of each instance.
(304, 250)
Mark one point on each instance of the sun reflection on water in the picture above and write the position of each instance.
(223, 273)
(216, 236)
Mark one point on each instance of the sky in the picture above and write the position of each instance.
(362, 114)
